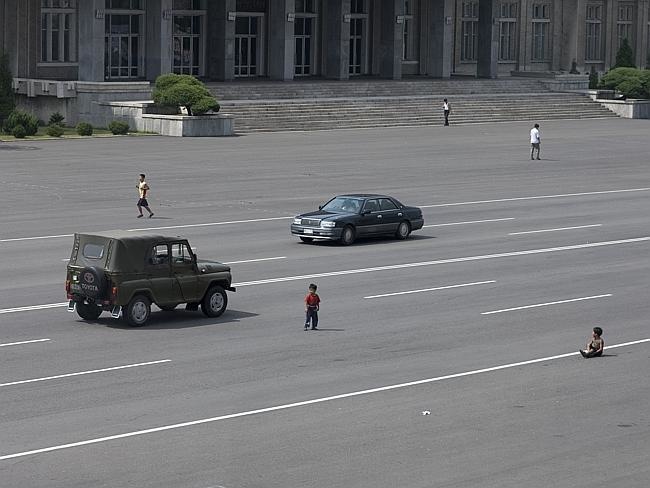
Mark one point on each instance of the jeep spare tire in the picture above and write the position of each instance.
(92, 281)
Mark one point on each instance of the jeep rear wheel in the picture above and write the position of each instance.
(88, 311)
(214, 302)
(138, 311)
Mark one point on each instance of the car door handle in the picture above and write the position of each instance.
(399, 214)
(379, 216)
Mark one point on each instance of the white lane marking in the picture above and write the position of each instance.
(209, 224)
(430, 289)
(537, 197)
(259, 260)
(546, 304)
(14, 239)
(23, 342)
(81, 373)
(304, 403)
(468, 222)
(554, 230)
(33, 307)
(444, 261)
(390, 267)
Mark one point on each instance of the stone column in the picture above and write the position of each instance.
(642, 34)
(609, 31)
(91, 40)
(159, 24)
(572, 31)
(391, 38)
(220, 41)
(440, 39)
(281, 40)
(488, 40)
(336, 48)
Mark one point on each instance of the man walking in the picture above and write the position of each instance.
(446, 110)
(535, 140)
(143, 189)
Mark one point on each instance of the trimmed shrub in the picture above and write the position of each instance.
(593, 79)
(7, 100)
(631, 82)
(172, 90)
(632, 88)
(18, 131)
(84, 129)
(118, 127)
(55, 130)
(28, 121)
(56, 118)
(625, 56)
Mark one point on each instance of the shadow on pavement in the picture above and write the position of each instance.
(177, 319)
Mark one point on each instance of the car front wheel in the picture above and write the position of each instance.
(214, 302)
(403, 230)
(88, 311)
(347, 235)
(138, 311)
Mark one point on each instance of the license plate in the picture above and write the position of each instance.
(309, 231)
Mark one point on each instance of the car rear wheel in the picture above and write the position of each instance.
(403, 230)
(88, 311)
(214, 302)
(138, 311)
(307, 239)
(347, 235)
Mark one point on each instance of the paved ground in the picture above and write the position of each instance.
(246, 400)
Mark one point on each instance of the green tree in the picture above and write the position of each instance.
(7, 101)
(172, 90)
(625, 56)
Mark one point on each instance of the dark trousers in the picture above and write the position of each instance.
(311, 315)
(446, 117)
(593, 353)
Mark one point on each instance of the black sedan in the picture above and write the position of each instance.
(347, 217)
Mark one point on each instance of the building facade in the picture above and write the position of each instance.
(135, 40)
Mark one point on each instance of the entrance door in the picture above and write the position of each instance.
(358, 38)
(303, 32)
(248, 42)
(123, 45)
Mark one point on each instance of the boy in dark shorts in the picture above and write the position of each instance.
(312, 305)
(595, 345)
(143, 189)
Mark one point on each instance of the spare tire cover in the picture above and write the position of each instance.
(92, 281)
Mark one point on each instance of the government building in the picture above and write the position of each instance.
(224, 40)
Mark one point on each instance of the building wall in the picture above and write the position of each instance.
(393, 38)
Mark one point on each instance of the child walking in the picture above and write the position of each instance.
(312, 305)
(595, 345)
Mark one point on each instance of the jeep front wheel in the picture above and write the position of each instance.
(88, 311)
(138, 311)
(214, 302)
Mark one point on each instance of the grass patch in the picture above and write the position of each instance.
(68, 133)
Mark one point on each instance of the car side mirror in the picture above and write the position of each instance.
(320, 207)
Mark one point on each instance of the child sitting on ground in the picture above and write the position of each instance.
(595, 345)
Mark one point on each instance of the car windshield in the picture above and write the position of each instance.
(343, 205)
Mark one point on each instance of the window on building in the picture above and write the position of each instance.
(187, 37)
(124, 39)
(306, 6)
(469, 31)
(58, 31)
(508, 32)
(358, 7)
(625, 23)
(250, 5)
(593, 32)
(410, 44)
(541, 20)
(124, 4)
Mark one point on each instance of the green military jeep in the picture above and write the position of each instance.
(124, 274)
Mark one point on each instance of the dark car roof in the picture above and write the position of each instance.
(363, 195)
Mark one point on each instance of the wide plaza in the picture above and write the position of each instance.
(446, 360)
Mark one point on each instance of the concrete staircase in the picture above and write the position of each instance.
(321, 105)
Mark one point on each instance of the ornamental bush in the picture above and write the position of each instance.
(118, 127)
(55, 130)
(625, 56)
(56, 118)
(84, 129)
(172, 90)
(18, 131)
(28, 122)
(7, 101)
(631, 82)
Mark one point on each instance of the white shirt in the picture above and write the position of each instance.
(445, 106)
(534, 135)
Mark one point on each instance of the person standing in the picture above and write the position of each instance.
(143, 190)
(446, 110)
(535, 140)
(312, 305)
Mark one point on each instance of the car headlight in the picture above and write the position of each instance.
(328, 223)
(297, 221)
